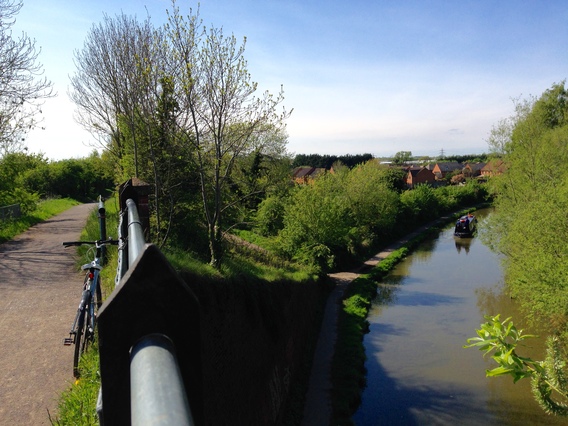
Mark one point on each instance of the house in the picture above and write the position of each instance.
(418, 175)
(473, 169)
(303, 175)
(441, 170)
(493, 167)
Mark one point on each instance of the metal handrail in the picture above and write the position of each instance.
(157, 392)
(135, 232)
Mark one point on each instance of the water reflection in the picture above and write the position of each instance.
(462, 244)
(417, 371)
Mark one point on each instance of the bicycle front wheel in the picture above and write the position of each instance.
(79, 340)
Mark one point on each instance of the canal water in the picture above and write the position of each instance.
(418, 372)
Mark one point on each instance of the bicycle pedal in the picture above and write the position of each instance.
(68, 341)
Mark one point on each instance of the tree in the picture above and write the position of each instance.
(317, 222)
(22, 87)
(402, 157)
(174, 103)
(224, 121)
(373, 202)
(108, 82)
(528, 225)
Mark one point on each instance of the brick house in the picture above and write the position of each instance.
(493, 167)
(418, 175)
(441, 170)
(473, 169)
(303, 175)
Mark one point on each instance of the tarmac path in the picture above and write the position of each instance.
(39, 293)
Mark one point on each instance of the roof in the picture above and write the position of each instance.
(449, 166)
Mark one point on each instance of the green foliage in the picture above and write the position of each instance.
(401, 157)
(420, 204)
(454, 197)
(501, 339)
(317, 222)
(532, 194)
(373, 203)
(270, 216)
(326, 161)
(81, 179)
(343, 216)
(13, 168)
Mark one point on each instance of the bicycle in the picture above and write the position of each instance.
(82, 331)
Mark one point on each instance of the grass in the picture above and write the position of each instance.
(45, 209)
(77, 405)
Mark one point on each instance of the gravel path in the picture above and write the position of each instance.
(39, 292)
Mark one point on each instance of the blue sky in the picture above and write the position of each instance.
(362, 76)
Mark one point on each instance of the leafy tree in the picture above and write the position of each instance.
(22, 87)
(402, 157)
(527, 228)
(373, 203)
(269, 219)
(81, 179)
(175, 105)
(13, 168)
(326, 161)
(224, 119)
(317, 222)
(533, 193)
(420, 204)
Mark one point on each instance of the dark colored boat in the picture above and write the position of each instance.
(465, 226)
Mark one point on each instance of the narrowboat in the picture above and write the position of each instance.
(465, 226)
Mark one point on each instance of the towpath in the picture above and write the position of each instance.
(39, 293)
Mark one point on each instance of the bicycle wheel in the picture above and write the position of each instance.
(79, 339)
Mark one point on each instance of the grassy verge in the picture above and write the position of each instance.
(45, 209)
(77, 405)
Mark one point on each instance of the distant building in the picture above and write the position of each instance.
(441, 170)
(473, 169)
(302, 175)
(419, 175)
(493, 168)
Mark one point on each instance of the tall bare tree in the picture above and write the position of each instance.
(22, 84)
(225, 119)
(109, 81)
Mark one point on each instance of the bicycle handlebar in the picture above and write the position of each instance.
(97, 243)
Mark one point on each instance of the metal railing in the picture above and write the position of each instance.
(10, 212)
(156, 382)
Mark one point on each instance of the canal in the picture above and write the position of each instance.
(418, 372)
